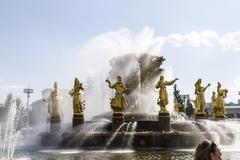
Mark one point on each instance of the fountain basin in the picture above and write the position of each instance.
(138, 140)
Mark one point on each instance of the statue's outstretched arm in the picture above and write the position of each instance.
(171, 82)
(124, 88)
(207, 86)
(81, 87)
(158, 85)
(109, 83)
(71, 92)
(225, 93)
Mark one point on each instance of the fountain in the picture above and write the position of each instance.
(129, 125)
(9, 132)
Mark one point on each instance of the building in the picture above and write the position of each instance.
(233, 109)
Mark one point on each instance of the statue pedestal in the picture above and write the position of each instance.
(117, 120)
(55, 125)
(164, 121)
(200, 116)
(219, 116)
(78, 119)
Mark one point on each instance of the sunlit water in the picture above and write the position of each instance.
(115, 155)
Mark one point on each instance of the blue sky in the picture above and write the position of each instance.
(40, 38)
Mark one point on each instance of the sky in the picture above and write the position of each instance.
(44, 41)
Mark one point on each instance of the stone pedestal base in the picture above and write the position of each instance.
(55, 125)
(78, 119)
(164, 121)
(219, 116)
(117, 121)
(200, 116)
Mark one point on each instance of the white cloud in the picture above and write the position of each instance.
(209, 34)
(207, 38)
(175, 39)
(194, 39)
(231, 41)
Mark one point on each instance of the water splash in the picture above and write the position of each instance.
(1, 141)
(92, 128)
(130, 140)
(110, 45)
(81, 134)
(128, 126)
(178, 117)
(10, 135)
(139, 90)
(114, 135)
(228, 131)
(127, 130)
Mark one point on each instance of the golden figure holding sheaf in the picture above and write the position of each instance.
(200, 103)
(53, 103)
(176, 105)
(213, 104)
(220, 104)
(163, 95)
(75, 93)
(118, 103)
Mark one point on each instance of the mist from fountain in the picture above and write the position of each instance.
(178, 117)
(139, 90)
(225, 133)
(228, 131)
(93, 128)
(85, 132)
(1, 141)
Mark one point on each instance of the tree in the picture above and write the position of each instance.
(189, 108)
(178, 98)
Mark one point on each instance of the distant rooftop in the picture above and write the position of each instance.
(234, 106)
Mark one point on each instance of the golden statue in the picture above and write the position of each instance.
(220, 104)
(118, 103)
(176, 105)
(53, 103)
(75, 93)
(200, 102)
(213, 104)
(163, 95)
